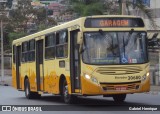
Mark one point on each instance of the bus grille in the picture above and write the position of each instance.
(118, 70)
(112, 87)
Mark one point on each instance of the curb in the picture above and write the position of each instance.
(153, 92)
(2, 83)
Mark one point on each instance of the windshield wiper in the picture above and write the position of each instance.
(129, 35)
(101, 32)
(124, 45)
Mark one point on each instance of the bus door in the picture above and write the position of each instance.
(74, 62)
(39, 65)
(18, 66)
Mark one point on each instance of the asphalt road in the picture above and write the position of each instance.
(87, 105)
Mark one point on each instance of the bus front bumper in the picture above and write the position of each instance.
(91, 88)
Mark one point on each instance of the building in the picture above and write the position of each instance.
(3, 9)
(2, 4)
(154, 7)
(155, 53)
(37, 4)
(50, 1)
(3, 1)
(154, 38)
(14, 4)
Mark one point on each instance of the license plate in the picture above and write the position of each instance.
(121, 88)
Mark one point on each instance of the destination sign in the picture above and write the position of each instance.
(113, 22)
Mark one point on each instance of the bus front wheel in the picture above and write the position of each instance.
(67, 98)
(119, 97)
(28, 93)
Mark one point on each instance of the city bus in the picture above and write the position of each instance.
(96, 55)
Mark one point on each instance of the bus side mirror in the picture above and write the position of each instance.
(80, 38)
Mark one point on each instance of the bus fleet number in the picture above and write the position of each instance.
(134, 77)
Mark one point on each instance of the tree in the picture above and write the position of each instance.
(42, 19)
(141, 7)
(93, 7)
(41, 16)
(87, 7)
(99, 7)
(17, 23)
(14, 35)
(4, 18)
(22, 14)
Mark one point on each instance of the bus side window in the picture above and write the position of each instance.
(50, 43)
(62, 44)
(24, 52)
(31, 50)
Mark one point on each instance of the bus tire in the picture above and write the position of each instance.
(28, 93)
(119, 97)
(67, 98)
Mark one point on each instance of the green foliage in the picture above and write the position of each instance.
(20, 16)
(16, 25)
(41, 15)
(17, 22)
(15, 35)
(87, 8)
(51, 22)
(26, 13)
(35, 0)
(100, 7)
(41, 27)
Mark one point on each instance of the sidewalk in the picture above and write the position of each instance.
(155, 90)
(7, 78)
(7, 81)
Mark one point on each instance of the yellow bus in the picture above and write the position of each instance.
(94, 55)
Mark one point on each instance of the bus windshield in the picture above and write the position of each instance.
(115, 47)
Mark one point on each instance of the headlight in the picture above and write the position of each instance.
(94, 80)
(87, 76)
(143, 78)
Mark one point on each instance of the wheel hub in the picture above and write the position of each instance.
(27, 90)
(66, 95)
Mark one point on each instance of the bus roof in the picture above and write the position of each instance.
(79, 21)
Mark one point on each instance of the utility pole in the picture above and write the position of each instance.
(123, 7)
(2, 4)
(46, 8)
(2, 55)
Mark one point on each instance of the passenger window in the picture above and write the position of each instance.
(62, 44)
(24, 52)
(31, 51)
(50, 44)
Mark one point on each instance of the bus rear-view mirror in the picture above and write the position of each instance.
(80, 38)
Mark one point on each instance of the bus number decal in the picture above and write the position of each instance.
(134, 77)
